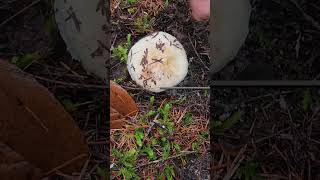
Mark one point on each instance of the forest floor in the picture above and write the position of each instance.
(265, 133)
(184, 152)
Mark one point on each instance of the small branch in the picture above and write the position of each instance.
(66, 163)
(19, 12)
(72, 84)
(84, 169)
(172, 157)
(152, 124)
(194, 48)
(236, 163)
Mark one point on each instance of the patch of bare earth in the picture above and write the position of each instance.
(275, 138)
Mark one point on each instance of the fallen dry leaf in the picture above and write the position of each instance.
(122, 105)
(14, 167)
(34, 124)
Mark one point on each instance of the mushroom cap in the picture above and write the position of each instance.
(82, 28)
(230, 29)
(157, 60)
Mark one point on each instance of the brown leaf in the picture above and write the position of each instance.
(122, 105)
(14, 167)
(34, 124)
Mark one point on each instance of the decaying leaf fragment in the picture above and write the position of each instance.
(34, 124)
(14, 167)
(122, 105)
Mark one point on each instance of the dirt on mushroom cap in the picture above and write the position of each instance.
(157, 60)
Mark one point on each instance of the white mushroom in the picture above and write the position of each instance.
(82, 27)
(157, 60)
(230, 28)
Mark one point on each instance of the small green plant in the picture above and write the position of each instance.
(149, 151)
(168, 173)
(166, 3)
(196, 144)
(129, 173)
(132, 1)
(127, 160)
(154, 141)
(180, 101)
(144, 24)
(165, 148)
(177, 147)
(102, 172)
(307, 100)
(219, 126)
(187, 119)
(49, 26)
(249, 171)
(151, 103)
(138, 134)
(150, 112)
(204, 134)
(159, 147)
(132, 10)
(121, 51)
(69, 105)
(206, 93)
(119, 80)
(26, 60)
(165, 112)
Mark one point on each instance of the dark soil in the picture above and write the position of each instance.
(275, 138)
(25, 34)
(283, 43)
(197, 168)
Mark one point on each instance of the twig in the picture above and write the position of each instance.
(307, 16)
(172, 157)
(73, 72)
(19, 12)
(197, 53)
(87, 120)
(71, 84)
(93, 168)
(84, 168)
(152, 124)
(182, 115)
(297, 47)
(132, 88)
(186, 88)
(235, 166)
(66, 163)
(98, 143)
(283, 157)
(268, 95)
(273, 176)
